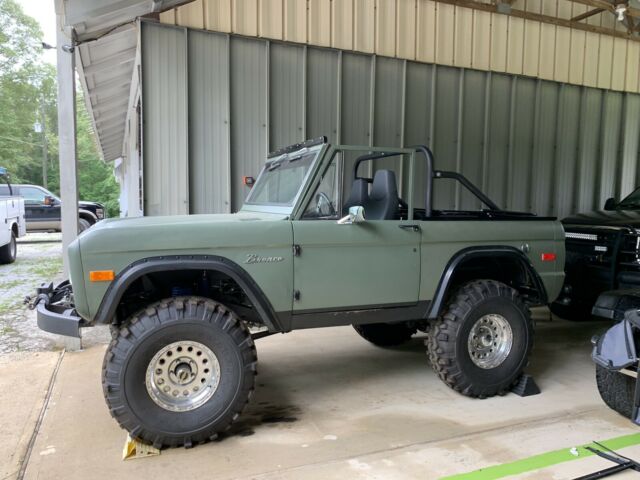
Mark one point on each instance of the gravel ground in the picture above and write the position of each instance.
(39, 260)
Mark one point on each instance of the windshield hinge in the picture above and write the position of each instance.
(296, 250)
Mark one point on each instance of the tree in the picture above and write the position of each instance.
(27, 91)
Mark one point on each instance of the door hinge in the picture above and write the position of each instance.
(296, 295)
(296, 250)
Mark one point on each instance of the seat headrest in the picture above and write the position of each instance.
(384, 185)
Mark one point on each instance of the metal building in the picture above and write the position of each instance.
(536, 101)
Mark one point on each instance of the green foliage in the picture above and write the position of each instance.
(27, 95)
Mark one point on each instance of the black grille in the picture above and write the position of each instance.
(629, 255)
(594, 247)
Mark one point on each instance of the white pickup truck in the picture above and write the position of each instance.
(12, 223)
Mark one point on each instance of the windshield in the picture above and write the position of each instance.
(632, 201)
(281, 180)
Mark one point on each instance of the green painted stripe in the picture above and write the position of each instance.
(543, 460)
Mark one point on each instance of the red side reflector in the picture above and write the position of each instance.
(548, 257)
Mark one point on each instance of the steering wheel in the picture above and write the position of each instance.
(321, 198)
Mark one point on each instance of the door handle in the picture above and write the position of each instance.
(412, 227)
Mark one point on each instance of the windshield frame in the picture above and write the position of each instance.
(279, 207)
(633, 206)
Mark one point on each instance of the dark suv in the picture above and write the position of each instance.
(42, 209)
(603, 253)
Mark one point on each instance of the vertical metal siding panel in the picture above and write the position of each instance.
(388, 102)
(217, 15)
(286, 95)
(515, 45)
(522, 148)
(245, 17)
(629, 151)
(481, 40)
(191, 15)
(248, 113)
(445, 33)
(545, 148)
(592, 44)
(322, 93)
(589, 148)
(499, 34)
(319, 21)
(364, 25)
(418, 118)
(605, 62)
(271, 19)
(564, 177)
(342, 24)
(463, 51)
(619, 63)
(498, 136)
(168, 17)
(295, 21)
(547, 41)
(531, 54)
(563, 45)
(426, 31)
(209, 175)
(633, 64)
(445, 148)
(577, 52)
(386, 27)
(164, 72)
(406, 29)
(611, 123)
(472, 140)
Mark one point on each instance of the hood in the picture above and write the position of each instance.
(606, 218)
(177, 232)
(84, 203)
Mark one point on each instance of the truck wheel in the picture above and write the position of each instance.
(385, 334)
(616, 390)
(481, 344)
(9, 251)
(179, 372)
(83, 225)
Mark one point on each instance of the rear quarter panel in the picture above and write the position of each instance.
(443, 239)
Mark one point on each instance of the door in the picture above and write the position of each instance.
(39, 215)
(357, 266)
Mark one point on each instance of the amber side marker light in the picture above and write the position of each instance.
(548, 257)
(102, 275)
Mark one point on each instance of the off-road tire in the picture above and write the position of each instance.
(616, 390)
(9, 251)
(181, 319)
(447, 344)
(573, 313)
(385, 334)
(83, 225)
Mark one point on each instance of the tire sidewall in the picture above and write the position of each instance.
(191, 423)
(503, 375)
(13, 248)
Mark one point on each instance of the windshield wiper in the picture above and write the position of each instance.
(274, 167)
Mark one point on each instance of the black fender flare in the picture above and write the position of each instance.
(144, 266)
(492, 252)
(92, 218)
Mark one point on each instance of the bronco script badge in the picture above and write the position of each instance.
(253, 258)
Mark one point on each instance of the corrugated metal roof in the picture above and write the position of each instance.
(106, 38)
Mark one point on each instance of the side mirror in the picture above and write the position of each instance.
(356, 215)
(610, 204)
(49, 200)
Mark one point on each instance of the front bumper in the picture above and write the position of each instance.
(54, 315)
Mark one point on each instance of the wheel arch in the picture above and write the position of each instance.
(125, 279)
(87, 215)
(15, 229)
(490, 256)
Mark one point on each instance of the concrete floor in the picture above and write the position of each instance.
(330, 405)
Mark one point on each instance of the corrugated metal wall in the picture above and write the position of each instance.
(432, 32)
(530, 144)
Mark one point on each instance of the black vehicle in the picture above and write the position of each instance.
(603, 253)
(43, 209)
(615, 353)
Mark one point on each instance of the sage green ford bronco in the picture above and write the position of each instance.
(329, 235)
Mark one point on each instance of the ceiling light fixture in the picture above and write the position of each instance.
(620, 10)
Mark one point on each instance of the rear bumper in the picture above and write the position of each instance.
(62, 322)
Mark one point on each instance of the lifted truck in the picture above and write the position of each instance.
(181, 293)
